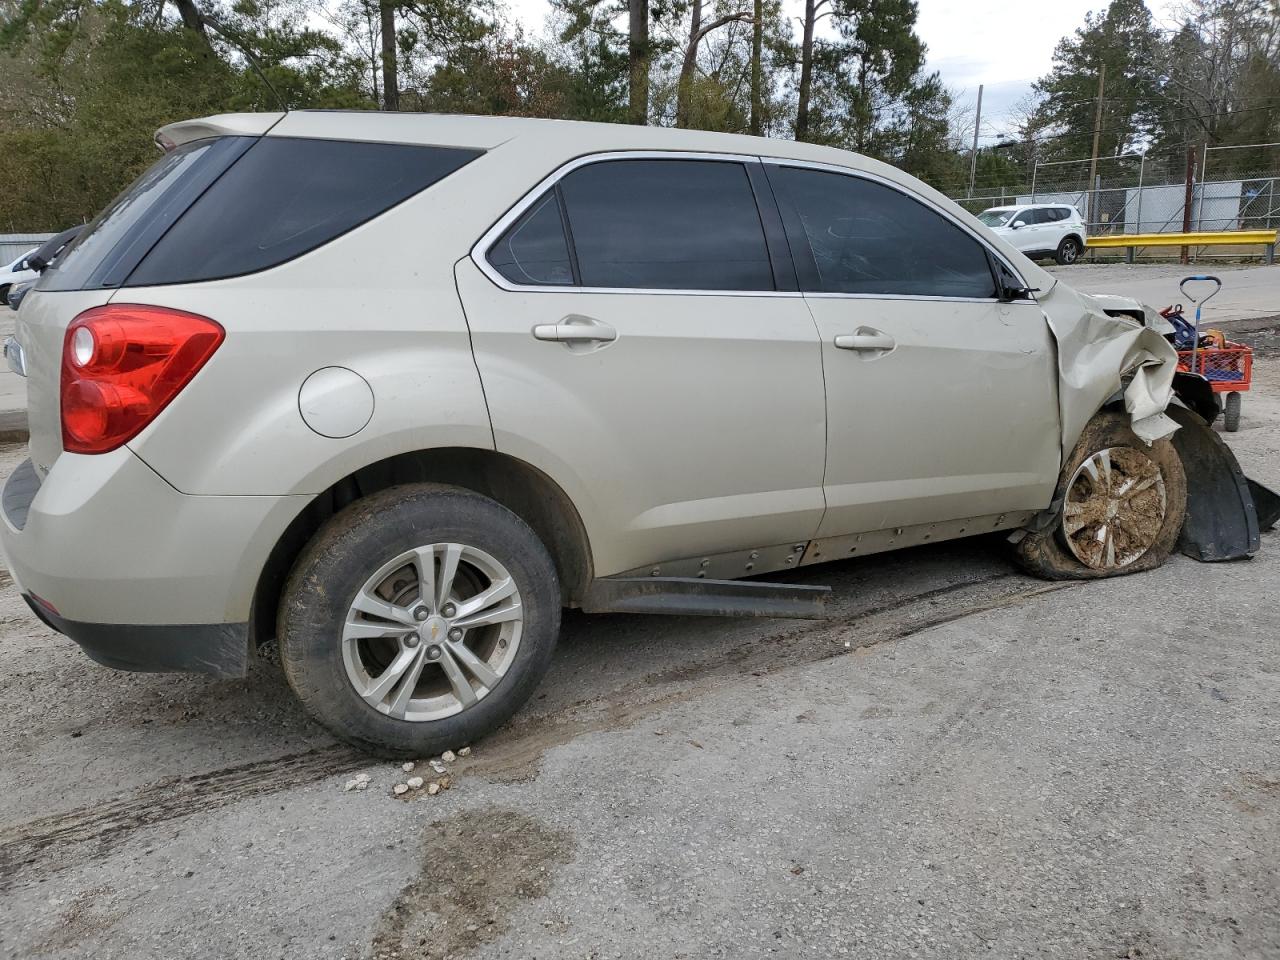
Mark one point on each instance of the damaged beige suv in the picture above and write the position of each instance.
(395, 389)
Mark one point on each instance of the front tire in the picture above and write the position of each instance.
(1122, 507)
(1068, 251)
(418, 620)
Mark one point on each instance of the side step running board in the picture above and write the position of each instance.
(690, 596)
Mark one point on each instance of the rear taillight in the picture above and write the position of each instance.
(122, 364)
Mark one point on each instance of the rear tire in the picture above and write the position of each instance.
(1125, 521)
(1231, 412)
(404, 665)
(1068, 251)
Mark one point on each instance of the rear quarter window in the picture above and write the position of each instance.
(287, 196)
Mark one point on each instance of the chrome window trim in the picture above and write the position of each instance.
(481, 248)
(945, 214)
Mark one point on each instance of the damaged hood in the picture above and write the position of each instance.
(1104, 352)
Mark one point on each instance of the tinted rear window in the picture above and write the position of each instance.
(120, 235)
(287, 196)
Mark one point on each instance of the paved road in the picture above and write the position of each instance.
(968, 762)
(1247, 291)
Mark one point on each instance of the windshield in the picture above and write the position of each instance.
(996, 218)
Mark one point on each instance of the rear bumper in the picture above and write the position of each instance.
(118, 559)
(216, 649)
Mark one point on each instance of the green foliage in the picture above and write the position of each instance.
(870, 93)
(85, 83)
(1126, 41)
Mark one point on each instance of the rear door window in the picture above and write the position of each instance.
(287, 196)
(667, 225)
(865, 237)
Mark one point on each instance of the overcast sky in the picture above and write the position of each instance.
(1003, 44)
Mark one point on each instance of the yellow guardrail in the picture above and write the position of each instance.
(1196, 238)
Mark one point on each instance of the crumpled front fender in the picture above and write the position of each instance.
(1101, 356)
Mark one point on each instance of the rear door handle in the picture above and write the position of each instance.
(865, 340)
(576, 329)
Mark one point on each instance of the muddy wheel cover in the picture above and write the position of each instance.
(1115, 508)
(432, 632)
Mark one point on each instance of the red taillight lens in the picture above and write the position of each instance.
(122, 364)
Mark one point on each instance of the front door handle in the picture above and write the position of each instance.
(575, 329)
(865, 340)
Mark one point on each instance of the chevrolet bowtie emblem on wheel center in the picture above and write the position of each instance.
(432, 629)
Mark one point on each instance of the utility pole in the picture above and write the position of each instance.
(1189, 200)
(973, 160)
(1093, 159)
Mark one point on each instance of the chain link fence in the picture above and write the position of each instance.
(1234, 188)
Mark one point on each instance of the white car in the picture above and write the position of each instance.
(15, 272)
(1039, 229)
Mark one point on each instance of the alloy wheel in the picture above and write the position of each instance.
(432, 632)
(1115, 508)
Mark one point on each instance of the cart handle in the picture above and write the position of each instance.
(1186, 280)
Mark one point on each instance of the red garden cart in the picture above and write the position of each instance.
(1228, 366)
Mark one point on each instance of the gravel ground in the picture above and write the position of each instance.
(967, 762)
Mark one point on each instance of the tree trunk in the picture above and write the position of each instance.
(190, 15)
(757, 68)
(806, 70)
(685, 86)
(638, 52)
(683, 89)
(390, 67)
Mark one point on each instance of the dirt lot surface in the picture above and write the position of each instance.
(967, 762)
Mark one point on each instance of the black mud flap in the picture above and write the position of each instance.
(1225, 510)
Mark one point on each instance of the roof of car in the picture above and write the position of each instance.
(1029, 206)
(486, 133)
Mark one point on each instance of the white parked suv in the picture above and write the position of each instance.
(13, 273)
(1040, 229)
(582, 365)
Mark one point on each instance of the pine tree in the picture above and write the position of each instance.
(1125, 40)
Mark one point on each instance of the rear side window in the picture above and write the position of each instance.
(868, 238)
(666, 224)
(287, 196)
(120, 235)
(534, 250)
